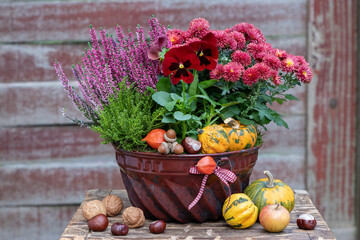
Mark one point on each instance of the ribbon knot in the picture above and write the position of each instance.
(224, 175)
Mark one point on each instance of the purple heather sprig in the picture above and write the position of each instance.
(105, 64)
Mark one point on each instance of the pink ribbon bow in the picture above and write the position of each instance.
(225, 176)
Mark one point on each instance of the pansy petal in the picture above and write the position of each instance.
(210, 50)
(210, 38)
(161, 42)
(153, 53)
(168, 65)
(196, 45)
(183, 74)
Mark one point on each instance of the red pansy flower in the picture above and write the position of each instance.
(177, 61)
(157, 46)
(206, 51)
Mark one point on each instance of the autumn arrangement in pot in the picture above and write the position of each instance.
(183, 92)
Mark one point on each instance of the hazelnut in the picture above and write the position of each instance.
(170, 136)
(177, 148)
(98, 223)
(164, 148)
(119, 229)
(113, 205)
(157, 226)
(191, 145)
(93, 208)
(133, 217)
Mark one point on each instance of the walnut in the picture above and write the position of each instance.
(93, 208)
(133, 217)
(113, 205)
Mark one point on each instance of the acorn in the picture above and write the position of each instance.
(170, 136)
(164, 148)
(176, 148)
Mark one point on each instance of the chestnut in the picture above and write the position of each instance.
(191, 145)
(119, 229)
(98, 223)
(157, 226)
(306, 221)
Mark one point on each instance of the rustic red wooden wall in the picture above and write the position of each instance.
(47, 163)
(332, 109)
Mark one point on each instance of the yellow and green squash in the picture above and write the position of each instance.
(240, 136)
(268, 190)
(241, 212)
(213, 139)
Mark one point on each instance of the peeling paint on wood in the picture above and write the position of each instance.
(70, 20)
(331, 109)
(56, 182)
(29, 144)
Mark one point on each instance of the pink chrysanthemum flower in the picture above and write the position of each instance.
(256, 72)
(250, 76)
(250, 32)
(289, 63)
(217, 72)
(176, 36)
(263, 70)
(225, 40)
(281, 54)
(233, 72)
(304, 73)
(301, 61)
(259, 50)
(198, 27)
(241, 57)
(272, 61)
(275, 77)
(192, 39)
(239, 38)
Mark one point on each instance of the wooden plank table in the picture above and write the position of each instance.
(77, 229)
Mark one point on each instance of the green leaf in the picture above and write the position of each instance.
(204, 97)
(170, 105)
(246, 121)
(228, 113)
(168, 119)
(163, 84)
(291, 97)
(280, 122)
(181, 116)
(207, 83)
(194, 85)
(161, 98)
(280, 100)
(175, 97)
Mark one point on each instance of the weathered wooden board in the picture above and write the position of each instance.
(34, 222)
(332, 109)
(49, 142)
(60, 182)
(78, 229)
(70, 19)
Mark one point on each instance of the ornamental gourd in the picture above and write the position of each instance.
(268, 190)
(213, 139)
(240, 212)
(240, 136)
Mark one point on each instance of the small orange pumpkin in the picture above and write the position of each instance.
(155, 137)
(206, 165)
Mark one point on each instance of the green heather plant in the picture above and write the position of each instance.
(128, 116)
